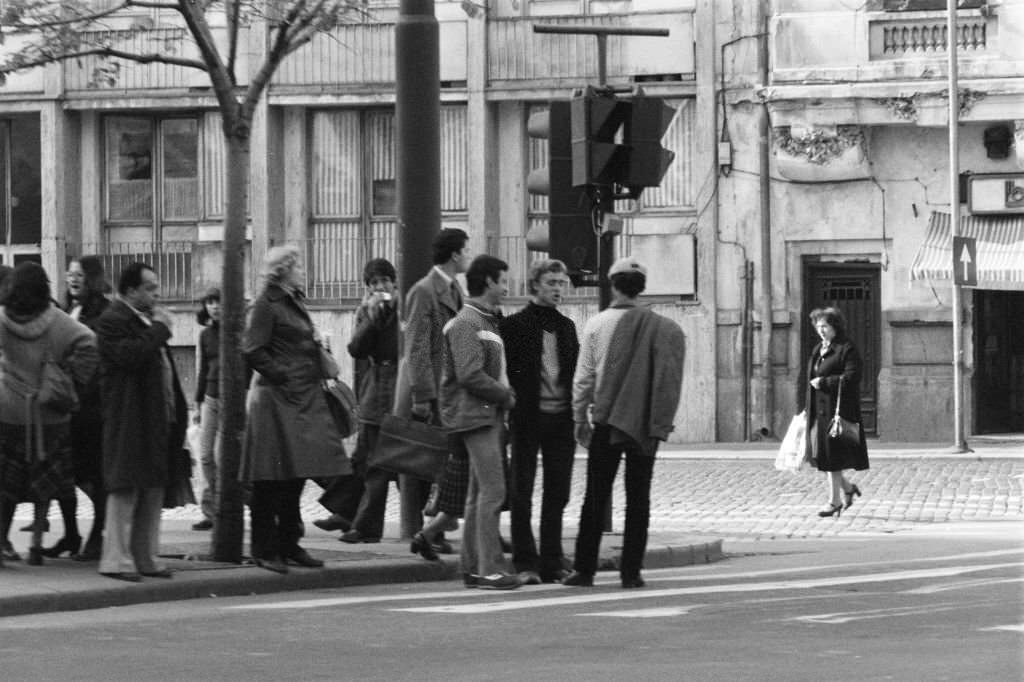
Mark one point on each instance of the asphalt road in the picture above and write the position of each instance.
(941, 604)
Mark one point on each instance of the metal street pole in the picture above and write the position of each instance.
(959, 444)
(418, 165)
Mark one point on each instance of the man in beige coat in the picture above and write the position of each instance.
(430, 304)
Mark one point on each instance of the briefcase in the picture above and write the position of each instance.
(415, 448)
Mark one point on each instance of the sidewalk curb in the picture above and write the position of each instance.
(218, 581)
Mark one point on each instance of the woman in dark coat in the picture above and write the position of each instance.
(85, 299)
(834, 372)
(290, 435)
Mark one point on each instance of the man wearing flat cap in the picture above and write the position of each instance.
(625, 392)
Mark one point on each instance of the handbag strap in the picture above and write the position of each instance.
(839, 397)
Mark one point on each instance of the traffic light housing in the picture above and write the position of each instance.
(597, 118)
(644, 162)
(570, 231)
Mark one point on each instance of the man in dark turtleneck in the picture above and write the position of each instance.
(541, 348)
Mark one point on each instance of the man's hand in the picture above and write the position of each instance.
(583, 433)
(161, 315)
(421, 410)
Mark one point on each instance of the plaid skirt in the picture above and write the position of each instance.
(23, 477)
(451, 491)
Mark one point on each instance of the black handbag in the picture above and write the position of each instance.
(843, 429)
(343, 406)
(410, 447)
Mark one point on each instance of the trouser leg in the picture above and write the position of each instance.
(289, 515)
(262, 520)
(639, 469)
(558, 449)
(209, 420)
(523, 472)
(487, 469)
(602, 465)
(145, 534)
(117, 554)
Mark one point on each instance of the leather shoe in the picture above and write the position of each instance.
(442, 546)
(7, 552)
(88, 553)
(205, 524)
(127, 577)
(632, 582)
(556, 576)
(301, 557)
(579, 579)
(162, 573)
(420, 545)
(271, 564)
(354, 537)
(333, 522)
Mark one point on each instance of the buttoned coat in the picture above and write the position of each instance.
(429, 306)
(289, 433)
(839, 366)
(141, 444)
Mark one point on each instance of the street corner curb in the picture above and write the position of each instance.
(672, 555)
(232, 582)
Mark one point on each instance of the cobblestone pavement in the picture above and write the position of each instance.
(747, 499)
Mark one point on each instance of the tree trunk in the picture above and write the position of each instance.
(228, 531)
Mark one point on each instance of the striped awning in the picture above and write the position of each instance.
(1000, 241)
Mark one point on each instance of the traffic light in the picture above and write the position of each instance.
(644, 161)
(597, 118)
(570, 235)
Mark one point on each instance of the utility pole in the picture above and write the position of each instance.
(952, 39)
(418, 164)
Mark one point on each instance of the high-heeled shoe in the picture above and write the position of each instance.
(833, 510)
(854, 490)
(71, 545)
(420, 545)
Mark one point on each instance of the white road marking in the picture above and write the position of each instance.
(1007, 628)
(371, 599)
(598, 597)
(962, 585)
(659, 612)
(869, 614)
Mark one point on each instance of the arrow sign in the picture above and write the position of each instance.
(965, 261)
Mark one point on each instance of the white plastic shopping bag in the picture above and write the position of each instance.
(791, 452)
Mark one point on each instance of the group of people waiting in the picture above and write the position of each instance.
(525, 383)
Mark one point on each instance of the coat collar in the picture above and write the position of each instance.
(443, 291)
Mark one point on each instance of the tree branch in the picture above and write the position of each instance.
(106, 52)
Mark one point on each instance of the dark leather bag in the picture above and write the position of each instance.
(342, 403)
(843, 429)
(410, 447)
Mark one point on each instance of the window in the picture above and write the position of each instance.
(20, 189)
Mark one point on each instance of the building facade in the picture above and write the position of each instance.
(127, 162)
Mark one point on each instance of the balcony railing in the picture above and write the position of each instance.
(893, 38)
(174, 263)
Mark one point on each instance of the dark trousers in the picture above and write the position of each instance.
(275, 517)
(369, 517)
(602, 466)
(552, 434)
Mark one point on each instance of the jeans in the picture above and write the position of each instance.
(552, 434)
(602, 466)
(481, 539)
(369, 518)
(209, 454)
(132, 540)
(275, 518)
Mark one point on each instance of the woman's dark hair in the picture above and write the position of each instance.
(379, 267)
(202, 316)
(446, 242)
(94, 286)
(482, 268)
(131, 277)
(5, 281)
(29, 294)
(630, 284)
(833, 316)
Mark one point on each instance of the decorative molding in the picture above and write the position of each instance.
(903, 108)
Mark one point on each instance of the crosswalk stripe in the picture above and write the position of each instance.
(599, 597)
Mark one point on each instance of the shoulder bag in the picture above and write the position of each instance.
(843, 429)
(406, 446)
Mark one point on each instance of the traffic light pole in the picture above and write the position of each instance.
(603, 204)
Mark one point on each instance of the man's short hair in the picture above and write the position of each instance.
(482, 268)
(446, 242)
(542, 267)
(131, 277)
(630, 284)
(379, 267)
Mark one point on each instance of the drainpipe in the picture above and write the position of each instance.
(767, 380)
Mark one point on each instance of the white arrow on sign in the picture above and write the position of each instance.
(965, 258)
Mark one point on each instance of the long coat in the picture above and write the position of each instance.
(840, 362)
(289, 433)
(430, 305)
(141, 444)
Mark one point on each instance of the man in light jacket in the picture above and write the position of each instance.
(625, 393)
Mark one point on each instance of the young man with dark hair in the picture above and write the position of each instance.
(625, 393)
(475, 397)
(430, 303)
(541, 348)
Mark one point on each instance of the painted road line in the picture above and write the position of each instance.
(1004, 628)
(871, 614)
(372, 599)
(962, 585)
(658, 612)
(811, 583)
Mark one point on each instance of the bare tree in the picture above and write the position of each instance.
(52, 31)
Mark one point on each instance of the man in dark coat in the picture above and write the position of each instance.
(541, 348)
(145, 417)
